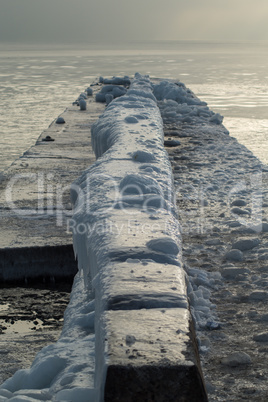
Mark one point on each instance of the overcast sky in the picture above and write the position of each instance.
(72, 21)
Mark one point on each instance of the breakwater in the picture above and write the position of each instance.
(120, 276)
(144, 331)
(155, 255)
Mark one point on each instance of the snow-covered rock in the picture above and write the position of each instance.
(245, 244)
(60, 120)
(83, 104)
(234, 255)
(117, 80)
(263, 337)
(234, 272)
(236, 359)
(114, 90)
(89, 91)
(179, 104)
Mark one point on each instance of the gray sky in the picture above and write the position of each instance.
(72, 21)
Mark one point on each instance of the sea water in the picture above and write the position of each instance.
(38, 82)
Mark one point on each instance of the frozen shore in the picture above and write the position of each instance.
(222, 198)
(221, 193)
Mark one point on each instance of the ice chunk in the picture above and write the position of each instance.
(109, 98)
(143, 156)
(139, 184)
(114, 90)
(131, 119)
(164, 245)
(83, 104)
(176, 92)
(77, 394)
(100, 97)
(89, 91)
(38, 377)
(117, 80)
(83, 95)
(216, 118)
(60, 120)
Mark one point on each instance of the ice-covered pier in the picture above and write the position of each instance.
(130, 255)
(141, 295)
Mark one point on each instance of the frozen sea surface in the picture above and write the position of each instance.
(36, 84)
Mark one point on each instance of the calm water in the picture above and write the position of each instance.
(37, 84)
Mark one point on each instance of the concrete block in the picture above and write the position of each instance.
(141, 284)
(150, 355)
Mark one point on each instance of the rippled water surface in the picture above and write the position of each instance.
(37, 84)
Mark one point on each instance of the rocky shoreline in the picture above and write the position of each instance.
(222, 198)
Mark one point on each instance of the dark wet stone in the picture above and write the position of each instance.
(171, 143)
(48, 138)
(60, 120)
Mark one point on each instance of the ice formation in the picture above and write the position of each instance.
(111, 90)
(82, 104)
(89, 91)
(178, 103)
(124, 213)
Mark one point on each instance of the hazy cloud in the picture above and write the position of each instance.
(74, 21)
(221, 20)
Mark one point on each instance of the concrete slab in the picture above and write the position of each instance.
(35, 194)
(34, 190)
